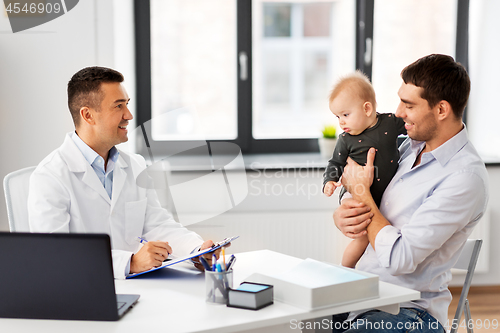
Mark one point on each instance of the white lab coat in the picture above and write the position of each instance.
(67, 196)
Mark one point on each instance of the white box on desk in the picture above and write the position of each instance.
(315, 285)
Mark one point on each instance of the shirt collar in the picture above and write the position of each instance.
(416, 146)
(113, 156)
(90, 154)
(447, 150)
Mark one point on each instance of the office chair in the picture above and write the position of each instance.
(467, 261)
(16, 188)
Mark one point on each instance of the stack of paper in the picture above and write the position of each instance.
(313, 285)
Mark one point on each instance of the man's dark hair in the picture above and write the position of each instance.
(84, 88)
(441, 79)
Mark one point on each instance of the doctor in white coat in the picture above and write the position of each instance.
(89, 186)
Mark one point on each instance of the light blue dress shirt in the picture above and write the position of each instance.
(432, 209)
(97, 163)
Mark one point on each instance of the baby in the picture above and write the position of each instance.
(352, 100)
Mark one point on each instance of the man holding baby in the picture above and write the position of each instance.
(428, 210)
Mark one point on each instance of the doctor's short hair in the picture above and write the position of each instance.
(84, 89)
(358, 84)
(442, 78)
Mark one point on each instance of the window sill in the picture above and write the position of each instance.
(285, 161)
(251, 162)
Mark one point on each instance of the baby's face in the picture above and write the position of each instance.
(350, 113)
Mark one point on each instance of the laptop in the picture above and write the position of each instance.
(59, 276)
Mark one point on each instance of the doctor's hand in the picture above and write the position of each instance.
(352, 218)
(208, 256)
(150, 255)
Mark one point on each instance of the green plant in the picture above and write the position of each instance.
(329, 132)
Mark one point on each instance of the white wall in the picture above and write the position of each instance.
(35, 67)
(483, 56)
(493, 275)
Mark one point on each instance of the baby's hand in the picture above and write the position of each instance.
(330, 187)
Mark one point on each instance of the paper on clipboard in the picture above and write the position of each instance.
(216, 246)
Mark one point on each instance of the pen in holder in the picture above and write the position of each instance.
(217, 285)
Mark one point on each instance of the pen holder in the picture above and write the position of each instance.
(217, 285)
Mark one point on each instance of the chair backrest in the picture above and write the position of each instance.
(16, 188)
(467, 261)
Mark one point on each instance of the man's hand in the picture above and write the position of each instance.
(352, 218)
(330, 187)
(357, 179)
(208, 256)
(150, 255)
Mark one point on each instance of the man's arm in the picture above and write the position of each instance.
(457, 201)
(159, 224)
(451, 210)
(352, 217)
(357, 180)
(151, 255)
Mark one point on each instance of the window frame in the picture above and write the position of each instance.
(249, 145)
(462, 40)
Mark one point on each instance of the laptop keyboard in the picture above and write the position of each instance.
(120, 305)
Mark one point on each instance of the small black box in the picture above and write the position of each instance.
(250, 295)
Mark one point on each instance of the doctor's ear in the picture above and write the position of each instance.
(87, 115)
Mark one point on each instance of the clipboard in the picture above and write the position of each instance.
(168, 263)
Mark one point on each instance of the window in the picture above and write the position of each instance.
(193, 70)
(253, 72)
(296, 57)
(404, 31)
(257, 72)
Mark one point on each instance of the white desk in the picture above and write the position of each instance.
(172, 300)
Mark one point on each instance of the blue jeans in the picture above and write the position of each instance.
(408, 320)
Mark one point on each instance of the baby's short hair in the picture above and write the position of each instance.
(358, 83)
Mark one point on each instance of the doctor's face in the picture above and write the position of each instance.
(112, 119)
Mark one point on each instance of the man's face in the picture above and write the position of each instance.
(420, 119)
(112, 119)
(350, 113)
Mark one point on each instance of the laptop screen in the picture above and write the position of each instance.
(57, 276)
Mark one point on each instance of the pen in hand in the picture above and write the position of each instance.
(142, 240)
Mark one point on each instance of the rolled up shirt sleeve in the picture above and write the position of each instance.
(384, 243)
